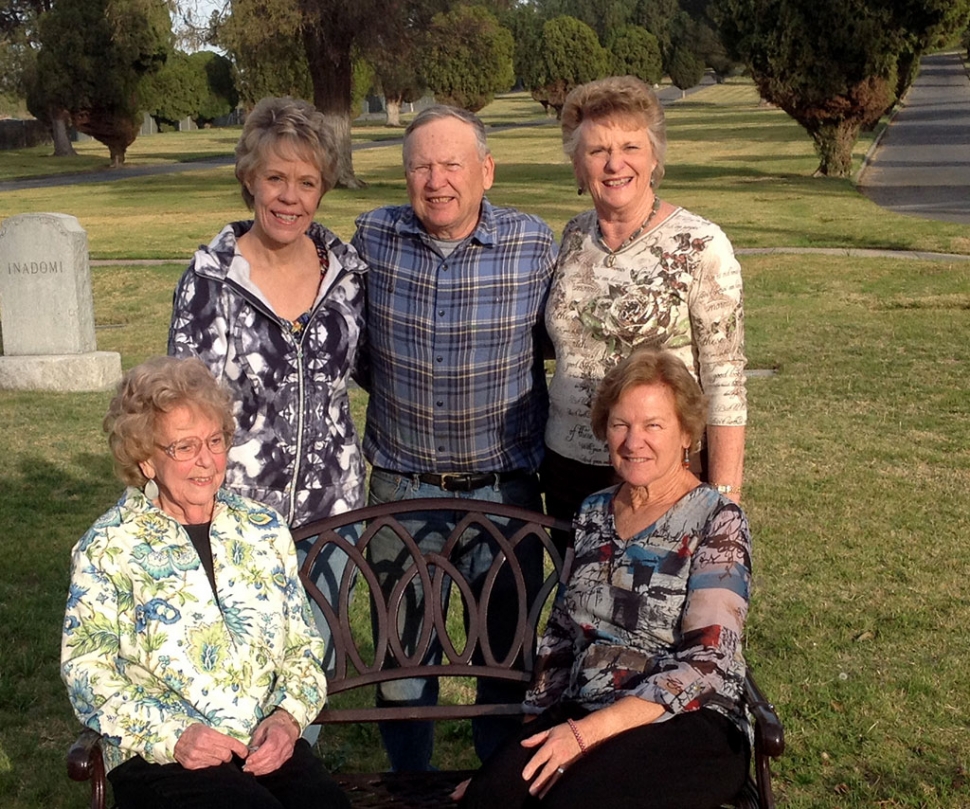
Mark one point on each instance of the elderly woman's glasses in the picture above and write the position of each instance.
(188, 449)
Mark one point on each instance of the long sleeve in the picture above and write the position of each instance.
(301, 685)
(199, 326)
(659, 615)
(716, 305)
(134, 708)
(149, 648)
(554, 660)
(708, 648)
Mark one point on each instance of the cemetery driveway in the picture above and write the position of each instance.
(921, 164)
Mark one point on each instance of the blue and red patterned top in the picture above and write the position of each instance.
(659, 616)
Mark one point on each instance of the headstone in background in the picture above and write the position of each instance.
(46, 308)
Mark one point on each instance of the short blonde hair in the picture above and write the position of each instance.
(652, 366)
(288, 123)
(616, 97)
(159, 385)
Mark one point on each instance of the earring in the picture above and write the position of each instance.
(151, 489)
(686, 457)
(580, 191)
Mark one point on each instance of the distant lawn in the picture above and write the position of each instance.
(746, 166)
(858, 456)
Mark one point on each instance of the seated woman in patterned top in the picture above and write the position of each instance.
(188, 642)
(638, 687)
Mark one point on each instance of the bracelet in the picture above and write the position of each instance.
(727, 488)
(579, 738)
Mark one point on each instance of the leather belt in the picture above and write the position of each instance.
(462, 481)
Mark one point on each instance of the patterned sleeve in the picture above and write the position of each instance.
(717, 321)
(301, 686)
(712, 625)
(554, 659)
(199, 327)
(118, 698)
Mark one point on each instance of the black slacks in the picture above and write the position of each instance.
(301, 783)
(695, 760)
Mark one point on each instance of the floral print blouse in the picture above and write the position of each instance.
(659, 616)
(677, 286)
(148, 648)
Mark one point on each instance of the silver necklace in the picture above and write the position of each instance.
(611, 254)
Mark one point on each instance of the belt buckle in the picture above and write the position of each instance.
(455, 482)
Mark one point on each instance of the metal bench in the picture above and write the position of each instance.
(363, 657)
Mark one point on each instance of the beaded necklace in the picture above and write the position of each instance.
(611, 254)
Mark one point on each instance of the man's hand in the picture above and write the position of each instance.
(272, 743)
(200, 746)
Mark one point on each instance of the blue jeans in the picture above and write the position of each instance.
(328, 569)
(409, 744)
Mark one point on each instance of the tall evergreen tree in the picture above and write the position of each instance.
(468, 58)
(93, 54)
(835, 66)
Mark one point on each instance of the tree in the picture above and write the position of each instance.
(657, 17)
(397, 77)
(569, 55)
(835, 66)
(219, 95)
(19, 20)
(685, 69)
(93, 54)
(603, 16)
(260, 38)
(172, 93)
(197, 86)
(634, 51)
(334, 33)
(468, 58)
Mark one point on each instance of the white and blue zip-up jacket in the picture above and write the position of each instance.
(296, 448)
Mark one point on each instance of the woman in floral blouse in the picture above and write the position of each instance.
(638, 686)
(188, 643)
(636, 271)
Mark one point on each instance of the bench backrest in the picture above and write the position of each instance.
(366, 643)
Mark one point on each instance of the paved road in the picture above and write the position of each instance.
(921, 165)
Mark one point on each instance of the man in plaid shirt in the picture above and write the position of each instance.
(456, 289)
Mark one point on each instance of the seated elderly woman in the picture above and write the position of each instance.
(188, 642)
(638, 687)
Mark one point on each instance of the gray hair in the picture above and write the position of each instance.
(436, 112)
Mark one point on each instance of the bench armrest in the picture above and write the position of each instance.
(85, 763)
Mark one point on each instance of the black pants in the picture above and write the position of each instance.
(566, 483)
(695, 760)
(301, 783)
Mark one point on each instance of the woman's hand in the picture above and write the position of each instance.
(272, 743)
(557, 749)
(200, 746)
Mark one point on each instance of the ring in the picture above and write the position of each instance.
(560, 770)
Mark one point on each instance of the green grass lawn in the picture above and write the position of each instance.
(857, 472)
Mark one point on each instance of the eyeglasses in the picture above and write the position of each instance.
(188, 449)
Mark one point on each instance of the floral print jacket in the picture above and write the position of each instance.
(296, 448)
(659, 616)
(148, 649)
(677, 286)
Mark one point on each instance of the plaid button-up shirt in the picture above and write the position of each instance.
(451, 357)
